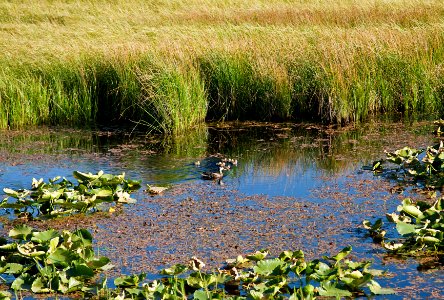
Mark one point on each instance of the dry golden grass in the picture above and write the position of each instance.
(31, 30)
(334, 59)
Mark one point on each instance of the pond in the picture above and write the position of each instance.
(296, 186)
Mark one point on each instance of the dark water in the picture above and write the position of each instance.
(279, 164)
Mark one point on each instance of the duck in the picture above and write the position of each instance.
(213, 175)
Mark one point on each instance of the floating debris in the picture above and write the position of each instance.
(155, 190)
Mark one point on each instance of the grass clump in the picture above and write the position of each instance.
(173, 100)
(241, 89)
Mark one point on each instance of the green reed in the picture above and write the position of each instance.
(173, 96)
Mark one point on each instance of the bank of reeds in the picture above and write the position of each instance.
(172, 65)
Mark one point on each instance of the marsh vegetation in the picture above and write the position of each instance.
(172, 65)
(168, 67)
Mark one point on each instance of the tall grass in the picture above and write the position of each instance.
(241, 89)
(170, 65)
(173, 99)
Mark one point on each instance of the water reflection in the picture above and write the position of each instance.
(268, 154)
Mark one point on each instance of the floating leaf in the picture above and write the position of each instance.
(85, 236)
(11, 193)
(20, 232)
(8, 247)
(258, 255)
(103, 193)
(201, 295)
(5, 295)
(102, 263)
(38, 286)
(267, 267)
(12, 268)
(174, 270)
(29, 249)
(74, 284)
(376, 289)
(342, 254)
(80, 270)
(405, 228)
(129, 281)
(330, 289)
(154, 190)
(62, 257)
(23, 282)
(256, 295)
(44, 236)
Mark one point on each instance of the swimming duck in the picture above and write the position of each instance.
(213, 175)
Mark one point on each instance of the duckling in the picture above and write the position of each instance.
(233, 161)
(213, 175)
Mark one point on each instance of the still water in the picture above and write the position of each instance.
(296, 186)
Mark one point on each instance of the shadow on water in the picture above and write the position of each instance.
(295, 186)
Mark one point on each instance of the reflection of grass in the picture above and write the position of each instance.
(47, 141)
(331, 60)
(301, 149)
(292, 148)
(193, 144)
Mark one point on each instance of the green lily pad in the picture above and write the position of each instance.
(269, 266)
(62, 257)
(258, 255)
(405, 228)
(376, 289)
(20, 232)
(80, 270)
(174, 270)
(330, 289)
(44, 236)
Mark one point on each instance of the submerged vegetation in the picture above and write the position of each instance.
(60, 197)
(171, 65)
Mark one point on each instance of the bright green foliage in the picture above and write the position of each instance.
(421, 225)
(255, 277)
(61, 197)
(5, 295)
(428, 171)
(49, 261)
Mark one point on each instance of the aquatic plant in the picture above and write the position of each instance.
(427, 171)
(60, 196)
(49, 261)
(420, 224)
(256, 277)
